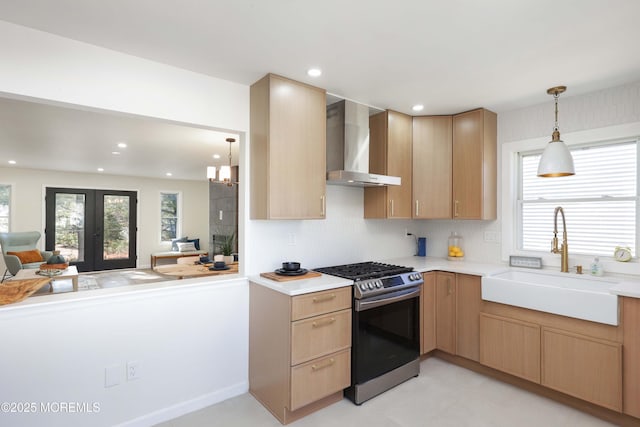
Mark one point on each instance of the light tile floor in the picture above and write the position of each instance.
(443, 395)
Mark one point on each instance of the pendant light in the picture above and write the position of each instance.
(224, 173)
(556, 159)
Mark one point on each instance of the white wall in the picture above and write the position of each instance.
(188, 340)
(343, 237)
(28, 203)
(192, 344)
(610, 107)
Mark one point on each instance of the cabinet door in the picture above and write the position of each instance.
(432, 172)
(297, 145)
(319, 378)
(468, 301)
(510, 346)
(584, 367)
(320, 335)
(446, 312)
(631, 356)
(428, 313)
(474, 165)
(288, 149)
(389, 154)
(399, 164)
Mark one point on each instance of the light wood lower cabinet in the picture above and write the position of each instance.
(631, 356)
(299, 349)
(468, 301)
(510, 346)
(314, 380)
(583, 367)
(576, 357)
(428, 313)
(446, 312)
(320, 335)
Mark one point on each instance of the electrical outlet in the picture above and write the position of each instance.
(112, 375)
(291, 239)
(491, 236)
(133, 371)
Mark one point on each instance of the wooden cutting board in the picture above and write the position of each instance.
(278, 278)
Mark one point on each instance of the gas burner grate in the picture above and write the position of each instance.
(364, 270)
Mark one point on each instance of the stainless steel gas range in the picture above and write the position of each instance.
(386, 326)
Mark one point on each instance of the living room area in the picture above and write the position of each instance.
(120, 197)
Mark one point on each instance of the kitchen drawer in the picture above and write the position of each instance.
(319, 378)
(314, 304)
(320, 335)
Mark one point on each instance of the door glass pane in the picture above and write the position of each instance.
(116, 227)
(70, 226)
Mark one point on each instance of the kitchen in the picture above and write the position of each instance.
(313, 241)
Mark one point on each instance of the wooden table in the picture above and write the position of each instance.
(30, 273)
(173, 255)
(187, 271)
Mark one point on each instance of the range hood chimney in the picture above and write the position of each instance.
(348, 147)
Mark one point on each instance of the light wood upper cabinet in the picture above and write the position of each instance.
(432, 167)
(288, 149)
(474, 165)
(389, 154)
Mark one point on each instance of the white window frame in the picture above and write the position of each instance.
(509, 196)
(178, 213)
(11, 203)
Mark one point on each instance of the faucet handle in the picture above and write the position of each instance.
(578, 269)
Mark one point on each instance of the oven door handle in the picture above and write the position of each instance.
(388, 299)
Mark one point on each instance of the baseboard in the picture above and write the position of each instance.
(182, 408)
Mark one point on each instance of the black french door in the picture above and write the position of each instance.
(93, 229)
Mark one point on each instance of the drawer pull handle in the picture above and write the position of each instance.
(323, 322)
(324, 298)
(324, 365)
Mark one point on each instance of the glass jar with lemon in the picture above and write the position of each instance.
(456, 251)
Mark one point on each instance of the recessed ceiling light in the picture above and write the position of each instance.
(169, 174)
(122, 145)
(100, 169)
(12, 162)
(314, 72)
(115, 153)
(418, 107)
(216, 156)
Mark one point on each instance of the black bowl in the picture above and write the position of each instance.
(291, 266)
(219, 264)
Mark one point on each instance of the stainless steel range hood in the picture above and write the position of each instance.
(348, 147)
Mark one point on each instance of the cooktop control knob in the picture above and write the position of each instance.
(363, 287)
(370, 285)
(378, 284)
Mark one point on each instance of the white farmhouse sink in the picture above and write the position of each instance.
(573, 295)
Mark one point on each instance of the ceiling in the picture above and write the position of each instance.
(451, 55)
(40, 136)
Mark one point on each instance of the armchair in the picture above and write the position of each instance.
(18, 242)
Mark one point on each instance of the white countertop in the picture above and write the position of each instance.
(303, 286)
(629, 287)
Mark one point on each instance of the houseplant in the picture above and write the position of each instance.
(227, 246)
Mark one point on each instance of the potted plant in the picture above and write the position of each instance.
(227, 246)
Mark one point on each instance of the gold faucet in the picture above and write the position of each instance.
(564, 249)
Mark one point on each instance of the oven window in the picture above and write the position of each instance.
(385, 338)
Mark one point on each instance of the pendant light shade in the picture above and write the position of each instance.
(223, 172)
(556, 158)
(556, 161)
